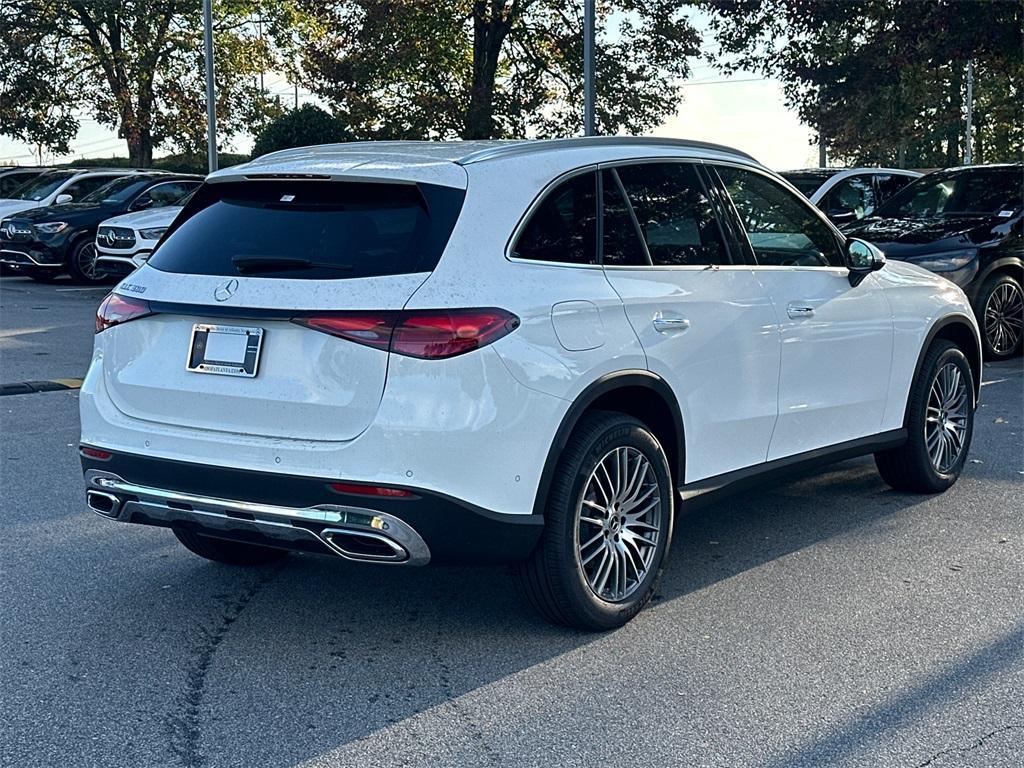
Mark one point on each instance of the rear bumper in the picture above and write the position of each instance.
(304, 514)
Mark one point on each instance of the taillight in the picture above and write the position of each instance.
(117, 309)
(430, 334)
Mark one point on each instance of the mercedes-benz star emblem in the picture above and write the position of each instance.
(225, 290)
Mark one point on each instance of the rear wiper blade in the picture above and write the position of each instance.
(280, 263)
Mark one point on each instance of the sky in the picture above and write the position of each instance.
(744, 111)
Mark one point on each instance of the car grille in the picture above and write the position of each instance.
(115, 237)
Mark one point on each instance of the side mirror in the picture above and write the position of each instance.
(862, 258)
(61, 199)
(842, 215)
(141, 203)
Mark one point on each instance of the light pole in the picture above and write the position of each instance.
(211, 97)
(968, 143)
(589, 24)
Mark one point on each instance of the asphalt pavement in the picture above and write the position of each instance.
(826, 621)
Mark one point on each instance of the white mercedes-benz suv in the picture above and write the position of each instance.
(533, 352)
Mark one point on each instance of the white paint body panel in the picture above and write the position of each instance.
(138, 221)
(478, 427)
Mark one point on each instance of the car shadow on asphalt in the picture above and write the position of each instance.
(376, 645)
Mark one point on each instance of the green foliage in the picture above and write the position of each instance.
(134, 65)
(396, 69)
(300, 127)
(883, 80)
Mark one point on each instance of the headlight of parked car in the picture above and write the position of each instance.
(52, 227)
(946, 261)
(152, 234)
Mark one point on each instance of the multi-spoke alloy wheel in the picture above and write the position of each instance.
(619, 524)
(945, 423)
(939, 422)
(82, 263)
(607, 525)
(1004, 317)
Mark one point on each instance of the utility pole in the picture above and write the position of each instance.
(296, 94)
(211, 97)
(968, 129)
(589, 23)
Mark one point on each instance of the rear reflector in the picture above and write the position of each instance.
(94, 453)
(117, 309)
(430, 334)
(371, 490)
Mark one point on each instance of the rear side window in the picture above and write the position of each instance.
(563, 227)
(890, 184)
(621, 244)
(675, 215)
(317, 230)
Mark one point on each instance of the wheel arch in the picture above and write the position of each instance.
(958, 329)
(1010, 265)
(637, 393)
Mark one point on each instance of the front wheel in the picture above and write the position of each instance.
(1001, 316)
(82, 262)
(940, 423)
(607, 526)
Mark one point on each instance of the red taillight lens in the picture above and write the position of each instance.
(431, 334)
(117, 309)
(95, 453)
(371, 490)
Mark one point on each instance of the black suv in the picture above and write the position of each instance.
(44, 242)
(965, 224)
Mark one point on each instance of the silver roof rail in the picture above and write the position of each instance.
(529, 146)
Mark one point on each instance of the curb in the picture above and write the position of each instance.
(29, 387)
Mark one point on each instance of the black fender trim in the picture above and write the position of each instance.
(989, 269)
(603, 385)
(933, 332)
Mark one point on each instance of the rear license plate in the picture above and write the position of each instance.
(228, 350)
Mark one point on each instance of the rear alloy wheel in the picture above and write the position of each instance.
(82, 263)
(940, 422)
(228, 552)
(1002, 316)
(607, 526)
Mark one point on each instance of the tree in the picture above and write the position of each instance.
(300, 127)
(413, 69)
(135, 65)
(883, 80)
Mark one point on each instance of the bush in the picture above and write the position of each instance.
(300, 127)
(175, 163)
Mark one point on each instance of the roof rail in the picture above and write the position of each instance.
(528, 146)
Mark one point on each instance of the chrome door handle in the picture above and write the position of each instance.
(664, 324)
(799, 311)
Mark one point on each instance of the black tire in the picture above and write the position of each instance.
(910, 467)
(229, 552)
(1000, 313)
(42, 275)
(82, 262)
(553, 580)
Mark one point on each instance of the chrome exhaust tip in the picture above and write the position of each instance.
(106, 504)
(365, 546)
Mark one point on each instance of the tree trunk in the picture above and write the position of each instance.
(489, 32)
(140, 149)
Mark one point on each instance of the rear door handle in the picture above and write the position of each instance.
(669, 323)
(799, 311)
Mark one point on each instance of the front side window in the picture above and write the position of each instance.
(850, 199)
(563, 228)
(783, 229)
(675, 215)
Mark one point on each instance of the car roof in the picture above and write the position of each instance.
(858, 169)
(445, 161)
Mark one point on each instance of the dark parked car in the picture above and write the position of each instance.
(964, 224)
(44, 242)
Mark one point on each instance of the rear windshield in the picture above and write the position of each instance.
(316, 230)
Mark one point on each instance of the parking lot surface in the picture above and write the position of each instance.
(824, 621)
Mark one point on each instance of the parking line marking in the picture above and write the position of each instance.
(29, 387)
